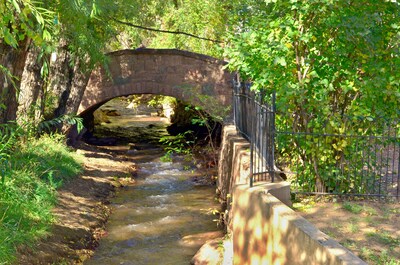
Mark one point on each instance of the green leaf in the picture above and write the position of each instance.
(281, 61)
(46, 35)
(9, 38)
(16, 6)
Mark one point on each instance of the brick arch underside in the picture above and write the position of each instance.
(175, 73)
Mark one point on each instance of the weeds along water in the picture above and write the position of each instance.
(31, 171)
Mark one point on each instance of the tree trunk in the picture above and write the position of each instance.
(79, 83)
(13, 60)
(31, 91)
(60, 76)
(68, 81)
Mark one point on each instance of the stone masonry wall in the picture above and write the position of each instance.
(169, 72)
(264, 230)
(233, 167)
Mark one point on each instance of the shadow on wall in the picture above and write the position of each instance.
(265, 230)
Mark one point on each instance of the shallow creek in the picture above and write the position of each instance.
(162, 218)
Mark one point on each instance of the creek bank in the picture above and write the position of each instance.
(217, 251)
(82, 208)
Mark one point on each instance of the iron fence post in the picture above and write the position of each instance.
(272, 164)
(252, 142)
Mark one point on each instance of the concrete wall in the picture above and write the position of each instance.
(264, 229)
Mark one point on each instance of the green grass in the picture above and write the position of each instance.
(303, 206)
(353, 207)
(353, 227)
(370, 211)
(384, 238)
(382, 258)
(32, 171)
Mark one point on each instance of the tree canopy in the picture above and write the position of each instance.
(335, 68)
(323, 57)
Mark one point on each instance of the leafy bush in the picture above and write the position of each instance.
(349, 158)
(178, 144)
(326, 60)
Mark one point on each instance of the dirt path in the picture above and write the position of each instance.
(82, 209)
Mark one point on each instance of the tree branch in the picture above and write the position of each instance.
(165, 31)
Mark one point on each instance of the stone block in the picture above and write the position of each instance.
(266, 231)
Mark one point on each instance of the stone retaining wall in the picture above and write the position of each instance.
(265, 230)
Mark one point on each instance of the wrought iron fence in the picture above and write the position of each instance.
(255, 118)
(357, 156)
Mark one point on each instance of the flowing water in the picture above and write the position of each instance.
(163, 218)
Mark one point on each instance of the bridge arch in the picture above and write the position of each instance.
(170, 72)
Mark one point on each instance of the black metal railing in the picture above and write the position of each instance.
(255, 119)
(357, 156)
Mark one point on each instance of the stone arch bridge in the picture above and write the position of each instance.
(169, 72)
